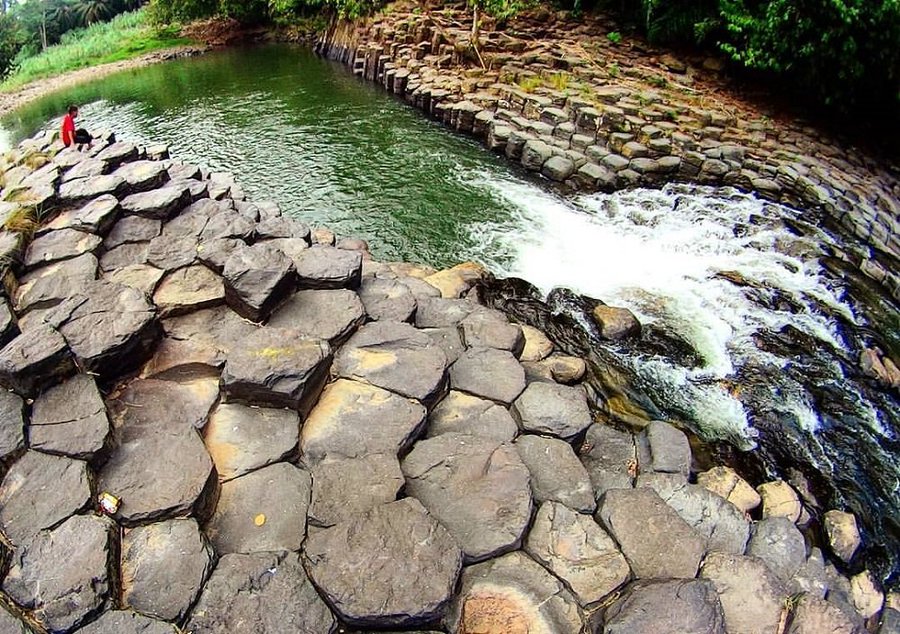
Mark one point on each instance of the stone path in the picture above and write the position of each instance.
(218, 420)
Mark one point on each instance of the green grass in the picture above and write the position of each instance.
(127, 35)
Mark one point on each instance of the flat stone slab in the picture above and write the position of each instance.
(396, 357)
(610, 457)
(164, 567)
(70, 419)
(491, 329)
(343, 488)
(262, 511)
(117, 153)
(488, 373)
(141, 277)
(332, 315)
(816, 616)
(84, 189)
(158, 204)
(515, 595)
(387, 299)
(328, 267)
(61, 576)
(50, 285)
(241, 439)
(172, 252)
(463, 413)
(556, 473)
(353, 419)
(276, 367)
(281, 227)
(39, 491)
(668, 449)
(187, 290)
(125, 255)
(667, 607)
(9, 326)
(257, 279)
(143, 175)
(12, 424)
(752, 596)
(95, 217)
(59, 245)
(476, 487)
(228, 223)
(393, 566)
(37, 358)
(553, 409)
(575, 549)
(87, 168)
(127, 622)
(264, 593)
(441, 313)
(131, 229)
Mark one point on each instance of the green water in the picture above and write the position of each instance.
(329, 148)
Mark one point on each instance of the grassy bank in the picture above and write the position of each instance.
(126, 36)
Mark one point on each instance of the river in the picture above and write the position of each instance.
(772, 332)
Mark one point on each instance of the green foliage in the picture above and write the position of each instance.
(259, 11)
(503, 10)
(11, 40)
(615, 37)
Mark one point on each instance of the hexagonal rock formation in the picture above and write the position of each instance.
(343, 488)
(556, 473)
(752, 596)
(667, 607)
(491, 329)
(143, 175)
(50, 285)
(164, 566)
(396, 357)
(158, 204)
(262, 511)
(36, 359)
(476, 487)
(327, 267)
(60, 576)
(353, 419)
(257, 279)
(610, 458)
(463, 413)
(387, 300)
(12, 424)
(130, 230)
(96, 216)
(277, 367)
(513, 595)
(59, 245)
(188, 289)
(124, 622)
(489, 373)
(70, 419)
(264, 593)
(393, 566)
(241, 439)
(548, 408)
(25, 507)
(326, 314)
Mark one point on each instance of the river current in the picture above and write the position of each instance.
(773, 333)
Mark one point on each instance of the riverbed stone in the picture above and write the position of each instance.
(668, 449)
(172, 252)
(142, 176)
(534, 154)
(276, 367)
(328, 267)
(657, 543)
(392, 566)
(36, 359)
(616, 323)
(476, 487)
(263, 593)
(457, 280)
(843, 534)
(442, 313)
(84, 189)
(332, 315)
(537, 345)
(26, 506)
(188, 289)
(725, 482)
(549, 408)
(610, 458)
(157, 204)
(867, 596)
(780, 545)
(343, 488)
(12, 425)
(575, 549)
(125, 255)
(141, 277)
(491, 329)
(556, 473)
(228, 224)
(779, 499)
(674, 606)
(353, 419)
(50, 285)
(61, 576)
(264, 510)
(216, 253)
(489, 373)
(752, 596)
(164, 567)
(70, 419)
(394, 356)
(97, 216)
(89, 167)
(386, 299)
(813, 615)
(257, 279)
(558, 168)
(459, 412)
(127, 622)
(118, 152)
(283, 227)
(512, 594)
(132, 229)
(241, 439)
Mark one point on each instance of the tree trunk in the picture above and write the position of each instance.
(44, 29)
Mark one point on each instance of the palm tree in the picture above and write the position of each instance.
(92, 11)
(63, 15)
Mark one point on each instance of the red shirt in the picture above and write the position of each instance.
(68, 130)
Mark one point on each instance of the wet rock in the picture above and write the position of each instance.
(141, 277)
(667, 607)
(514, 595)
(779, 500)
(158, 204)
(459, 412)
(867, 596)
(778, 543)
(843, 534)
(264, 593)
(616, 323)
(548, 408)
(578, 551)
(125, 255)
(127, 622)
(328, 267)
(257, 279)
(489, 373)
(187, 290)
(609, 457)
(393, 566)
(491, 329)
(276, 367)
(70, 419)
(142, 176)
(131, 229)
(61, 576)
(657, 543)
(387, 300)
(344, 488)
(725, 482)
(12, 425)
(534, 154)
(537, 346)
(669, 449)
(84, 189)
(396, 357)
(241, 439)
(556, 473)
(164, 567)
(458, 280)
(262, 511)
(441, 313)
(476, 487)
(815, 616)
(36, 359)
(353, 419)
(332, 315)
(752, 597)
(96, 216)
(26, 506)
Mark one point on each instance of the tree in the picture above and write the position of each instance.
(93, 11)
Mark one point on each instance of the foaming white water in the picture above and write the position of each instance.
(661, 254)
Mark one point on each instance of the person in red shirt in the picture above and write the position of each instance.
(72, 136)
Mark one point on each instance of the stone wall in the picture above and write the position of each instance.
(560, 98)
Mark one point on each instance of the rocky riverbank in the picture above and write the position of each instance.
(222, 420)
